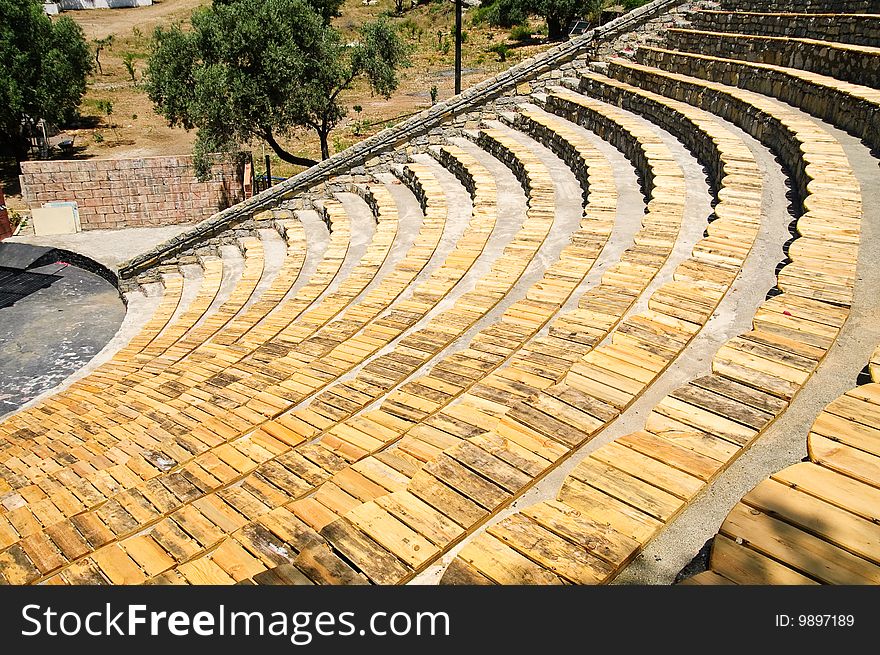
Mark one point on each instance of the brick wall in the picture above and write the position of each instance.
(117, 193)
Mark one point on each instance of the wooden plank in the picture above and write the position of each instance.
(742, 565)
(452, 504)
(151, 557)
(599, 539)
(500, 563)
(398, 538)
(602, 508)
(835, 525)
(204, 571)
(668, 452)
(323, 566)
(833, 488)
(466, 482)
(799, 550)
(562, 557)
(421, 517)
(372, 559)
(676, 482)
(117, 566)
(850, 461)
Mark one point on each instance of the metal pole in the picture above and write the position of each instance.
(457, 47)
(268, 172)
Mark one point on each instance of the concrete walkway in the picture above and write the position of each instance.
(108, 247)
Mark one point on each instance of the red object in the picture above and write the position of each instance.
(5, 225)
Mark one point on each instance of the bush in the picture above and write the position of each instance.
(521, 33)
(500, 49)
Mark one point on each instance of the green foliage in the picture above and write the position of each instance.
(501, 13)
(521, 33)
(211, 77)
(43, 69)
(629, 5)
(100, 44)
(105, 107)
(128, 60)
(500, 49)
(434, 93)
(557, 13)
(98, 137)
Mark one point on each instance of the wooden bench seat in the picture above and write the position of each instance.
(632, 487)
(814, 522)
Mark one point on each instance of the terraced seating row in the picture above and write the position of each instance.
(625, 492)
(506, 270)
(388, 467)
(381, 246)
(851, 107)
(272, 298)
(415, 524)
(859, 29)
(830, 225)
(815, 521)
(845, 61)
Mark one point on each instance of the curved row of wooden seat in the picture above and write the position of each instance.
(459, 261)
(859, 29)
(815, 521)
(830, 224)
(253, 323)
(106, 382)
(368, 264)
(852, 107)
(625, 492)
(418, 523)
(388, 468)
(845, 61)
(467, 309)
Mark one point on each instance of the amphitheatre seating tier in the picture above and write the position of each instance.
(814, 522)
(346, 405)
(851, 107)
(845, 61)
(623, 494)
(858, 29)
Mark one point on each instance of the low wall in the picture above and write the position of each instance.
(119, 193)
(858, 29)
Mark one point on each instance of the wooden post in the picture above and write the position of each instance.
(268, 172)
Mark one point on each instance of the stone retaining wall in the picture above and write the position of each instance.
(850, 65)
(808, 6)
(121, 193)
(861, 30)
(837, 106)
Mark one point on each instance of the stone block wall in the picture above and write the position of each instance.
(120, 193)
(860, 30)
(810, 6)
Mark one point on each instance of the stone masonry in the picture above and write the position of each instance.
(120, 193)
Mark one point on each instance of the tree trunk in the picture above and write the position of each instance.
(286, 156)
(324, 135)
(555, 28)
